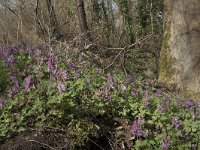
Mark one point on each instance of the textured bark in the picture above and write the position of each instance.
(180, 53)
(127, 16)
(82, 18)
(54, 26)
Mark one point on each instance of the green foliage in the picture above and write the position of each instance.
(69, 93)
(125, 11)
(4, 77)
(149, 17)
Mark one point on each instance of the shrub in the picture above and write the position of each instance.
(59, 91)
(4, 78)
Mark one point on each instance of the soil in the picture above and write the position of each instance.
(35, 140)
(48, 141)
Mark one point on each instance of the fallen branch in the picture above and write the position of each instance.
(44, 144)
(123, 50)
(96, 144)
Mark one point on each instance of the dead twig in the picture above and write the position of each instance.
(123, 50)
(96, 144)
(44, 144)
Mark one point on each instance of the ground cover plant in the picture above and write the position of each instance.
(48, 87)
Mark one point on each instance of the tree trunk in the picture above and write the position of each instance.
(180, 53)
(124, 8)
(82, 18)
(54, 26)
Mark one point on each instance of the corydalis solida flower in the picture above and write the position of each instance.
(70, 64)
(1, 52)
(136, 129)
(106, 93)
(149, 83)
(15, 81)
(57, 73)
(146, 99)
(61, 87)
(11, 92)
(50, 63)
(158, 93)
(89, 79)
(65, 75)
(1, 102)
(111, 81)
(164, 106)
(134, 92)
(10, 59)
(27, 83)
(166, 143)
(175, 122)
(128, 79)
(190, 103)
(78, 73)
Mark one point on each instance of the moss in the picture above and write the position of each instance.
(190, 93)
(167, 71)
(166, 60)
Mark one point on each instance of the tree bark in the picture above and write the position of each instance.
(82, 18)
(124, 8)
(180, 53)
(54, 26)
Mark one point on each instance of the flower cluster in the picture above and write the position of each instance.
(165, 105)
(136, 127)
(166, 143)
(175, 122)
(73, 84)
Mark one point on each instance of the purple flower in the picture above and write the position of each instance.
(175, 122)
(134, 92)
(106, 93)
(149, 83)
(166, 143)
(88, 79)
(136, 129)
(158, 93)
(1, 52)
(129, 79)
(190, 103)
(164, 106)
(1, 103)
(30, 67)
(70, 63)
(10, 59)
(78, 74)
(12, 49)
(61, 87)
(38, 53)
(57, 73)
(11, 92)
(65, 75)
(110, 81)
(141, 85)
(16, 82)
(27, 83)
(50, 63)
(160, 108)
(146, 100)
